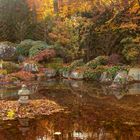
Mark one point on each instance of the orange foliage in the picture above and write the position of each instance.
(45, 54)
(23, 75)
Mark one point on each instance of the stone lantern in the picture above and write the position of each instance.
(24, 94)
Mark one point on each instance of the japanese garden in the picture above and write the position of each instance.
(69, 69)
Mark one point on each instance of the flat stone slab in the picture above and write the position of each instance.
(10, 110)
(134, 73)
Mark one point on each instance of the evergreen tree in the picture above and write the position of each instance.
(15, 19)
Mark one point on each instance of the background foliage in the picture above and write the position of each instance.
(93, 28)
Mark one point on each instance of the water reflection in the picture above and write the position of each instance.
(24, 126)
(67, 128)
(93, 112)
(91, 88)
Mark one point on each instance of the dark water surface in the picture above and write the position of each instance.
(93, 112)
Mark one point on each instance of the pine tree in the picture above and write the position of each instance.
(15, 19)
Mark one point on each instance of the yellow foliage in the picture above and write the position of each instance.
(70, 7)
(10, 114)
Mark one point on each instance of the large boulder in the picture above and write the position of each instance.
(121, 78)
(77, 75)
(106, 77)
(50, 73)
(65, 74)
(30, 67)
(134, 73)
(7, 50)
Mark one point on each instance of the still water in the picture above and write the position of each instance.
(92, 112)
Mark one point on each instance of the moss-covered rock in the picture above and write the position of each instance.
(121, 78)
(50, 73)
(134, 73)
(77, 75)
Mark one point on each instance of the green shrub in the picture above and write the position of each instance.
(100, 60)
(9, 66)
(56, 63)
(77, 63)
(37, 48)
(92, 64)
(113, 70)
(91, 74)
(30, 47)
(62, 52)
(24, 47)
(3, 72)
(65, 69)
(131, 50)
(39, 42)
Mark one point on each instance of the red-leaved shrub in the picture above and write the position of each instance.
(44, 55)
(114, 59)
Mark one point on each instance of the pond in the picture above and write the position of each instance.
(92, 112)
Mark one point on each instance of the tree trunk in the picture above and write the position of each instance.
(139, 2)
(56, 8)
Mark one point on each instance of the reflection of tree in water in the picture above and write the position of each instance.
(24, 126)
(65, 128)
(117, 93)
(91, 115)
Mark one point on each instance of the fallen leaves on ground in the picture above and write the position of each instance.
(33, 109)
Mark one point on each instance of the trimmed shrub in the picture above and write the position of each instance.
(24, 47)
(37, 48)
